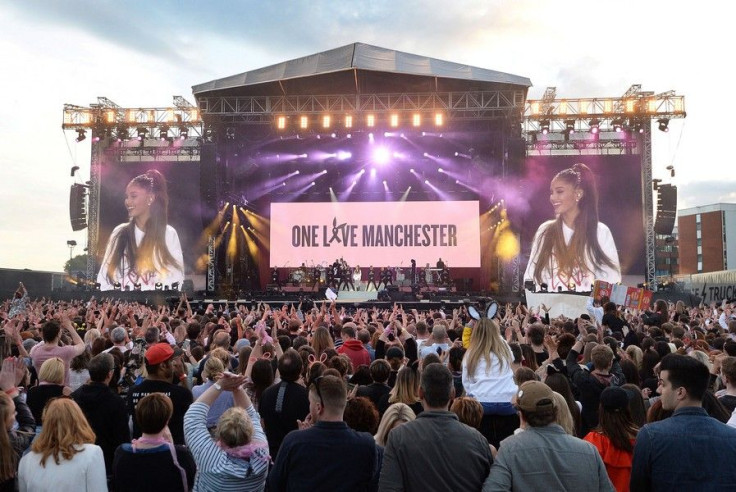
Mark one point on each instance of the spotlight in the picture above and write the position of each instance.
(439, 170)
(81, 134)
(175, 285)
(326, 120)
(230, 133)
(163, 133)
(569, 126)
(426, 181)
(618, 125)
(343, 155)
(416, 120)
(381, 155)
(394, 120)
(663, 124)
(370, 120)
(137, 286)
(281, 122)
(348, 122)
(373, 172)
(303, 122)
(159, 286)
(594, 126)
(183, 133)
(544, 125)
(116, 286)
(141, 133)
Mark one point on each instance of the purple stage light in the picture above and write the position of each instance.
(344, 155)
(381, 155)
(373, 172)
(439, 170)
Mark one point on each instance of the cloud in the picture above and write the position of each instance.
(701, 193)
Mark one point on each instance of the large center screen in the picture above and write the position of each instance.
(375, 233)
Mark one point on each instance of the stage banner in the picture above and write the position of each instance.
(569, 305)
(376, 233)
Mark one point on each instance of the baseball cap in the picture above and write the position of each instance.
(533, 396)
(614, 398)
(158, 353)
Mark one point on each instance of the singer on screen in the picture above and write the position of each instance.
(144, 251)
(574, 249)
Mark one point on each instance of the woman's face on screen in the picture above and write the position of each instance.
(137, 201)
(563, 196)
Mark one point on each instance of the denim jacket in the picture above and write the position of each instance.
(688, 451)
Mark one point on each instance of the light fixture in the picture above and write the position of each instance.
(594, 126)
(663, 124)
(81, 134)
(569, 126)
(163, 133)
(183, 132)
(281, 122)
(544, 126)
(159, 286)
(141, 132)
(618, 125)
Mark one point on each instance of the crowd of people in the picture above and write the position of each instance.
(105, 394)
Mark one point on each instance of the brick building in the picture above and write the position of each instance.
(707, 238)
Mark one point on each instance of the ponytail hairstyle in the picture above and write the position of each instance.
(141, 258)
(584, 242)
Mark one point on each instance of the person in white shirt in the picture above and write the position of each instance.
(63, 457)
(574, 249)
(144, 251)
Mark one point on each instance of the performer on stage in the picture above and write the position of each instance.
(386, 277)
(574, 247)
(346, 275)
(371, 279)
(357, 277)
(316, 276)
(440, 264)
(145, 250)
(427, 276)
(275, 277)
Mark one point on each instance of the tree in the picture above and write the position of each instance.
(76, 264)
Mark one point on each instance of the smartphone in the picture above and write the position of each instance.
(185, 345)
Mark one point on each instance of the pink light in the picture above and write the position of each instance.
(373, 172)
(381, 155)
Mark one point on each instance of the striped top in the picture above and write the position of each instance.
(216, 470)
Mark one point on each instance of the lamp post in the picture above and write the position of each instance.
(71, 243)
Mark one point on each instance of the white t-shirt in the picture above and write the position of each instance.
(583, 278)
(166, 275)
(85, 471)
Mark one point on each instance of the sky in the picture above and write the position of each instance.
(140, 54)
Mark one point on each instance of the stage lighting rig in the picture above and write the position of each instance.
(81, 134)
(663, 124)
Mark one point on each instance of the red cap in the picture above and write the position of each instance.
(158, 353)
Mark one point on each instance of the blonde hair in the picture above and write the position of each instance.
(52, 371)
(91, 336)
(636, 355)
(396, 413)
(65, 428)
(406, 388)
(221, 354)
(564, 417)
(485, 340)
(234, 428)
(212, 367)
(8, 459)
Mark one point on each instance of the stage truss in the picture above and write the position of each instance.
(549, 126)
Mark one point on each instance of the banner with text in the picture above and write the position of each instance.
(375, 233)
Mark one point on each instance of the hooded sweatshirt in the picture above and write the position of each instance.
(358, 354)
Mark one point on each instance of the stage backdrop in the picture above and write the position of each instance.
(184, 206)
(620, 202)
(375, 233)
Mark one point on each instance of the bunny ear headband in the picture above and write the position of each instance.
(490, 313)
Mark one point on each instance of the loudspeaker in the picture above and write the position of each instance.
(78, 206)
(666, 209)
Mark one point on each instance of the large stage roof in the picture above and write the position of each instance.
(338, 65)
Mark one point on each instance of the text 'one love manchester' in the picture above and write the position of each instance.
(373, 236)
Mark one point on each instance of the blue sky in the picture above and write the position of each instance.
(142, 53)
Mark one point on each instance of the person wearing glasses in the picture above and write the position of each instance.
(326, 454)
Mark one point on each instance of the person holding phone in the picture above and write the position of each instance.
(574, 249)
(144, 251)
